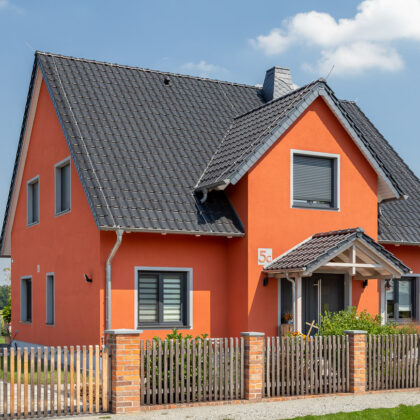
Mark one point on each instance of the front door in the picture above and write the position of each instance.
(321, 292)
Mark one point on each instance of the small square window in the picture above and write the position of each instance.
(26, 299)
(33, 201)
(162, 299)
(315, 181)
(62, 188)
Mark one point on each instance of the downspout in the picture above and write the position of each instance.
(293, 297)
(114, 250)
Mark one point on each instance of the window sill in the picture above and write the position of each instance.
(164, 327)
(61, 213)
(32, 224)
(49, 325)
(26, 322)
(303, 207)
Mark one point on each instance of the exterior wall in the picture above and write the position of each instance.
(67, 245)
(207, 256)
(409, 255)
(272, 223)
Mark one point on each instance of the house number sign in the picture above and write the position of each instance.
(265, 256)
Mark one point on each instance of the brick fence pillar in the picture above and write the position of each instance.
(124, 346)
(253, 365)
(357, 360)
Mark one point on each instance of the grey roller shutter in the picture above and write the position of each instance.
(313, 179)
(172, 297)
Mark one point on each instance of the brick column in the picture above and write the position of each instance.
(124, 346)
(253, 365)
(357, 360)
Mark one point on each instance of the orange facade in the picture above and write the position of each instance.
(228, 296)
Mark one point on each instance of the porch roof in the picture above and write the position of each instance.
(342, 250)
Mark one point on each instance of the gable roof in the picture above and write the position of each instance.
(313, 252)
(398, 221)
(252, 134)
(142, 141)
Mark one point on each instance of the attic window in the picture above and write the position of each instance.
(166, 80)
(62, 187)
(33, 201)
(315, 180)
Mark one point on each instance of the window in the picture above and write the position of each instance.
(33, 201)
(315, 181)
(62, 187)
(26, 299)
(50, 299)
(400, 299)
(162, 299)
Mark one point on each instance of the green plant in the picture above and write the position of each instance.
(338, 322)
(176, 335)
(6, 314)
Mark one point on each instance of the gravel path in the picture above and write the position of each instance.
(278, 410)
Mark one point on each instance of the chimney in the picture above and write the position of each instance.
(277, 82)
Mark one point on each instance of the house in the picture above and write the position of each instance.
(148, 200)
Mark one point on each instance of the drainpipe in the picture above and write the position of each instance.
(114, 250)
(294, 300)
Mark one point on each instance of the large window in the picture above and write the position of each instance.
(26, 299)
(49, 298)
(62, 187)
(162, 299)
(315, 181)
(33, 201)
(400, 299)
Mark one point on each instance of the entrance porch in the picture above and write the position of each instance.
(318, 274)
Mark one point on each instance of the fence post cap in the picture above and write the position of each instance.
(252, 334)
(123, 332)
(354, 332)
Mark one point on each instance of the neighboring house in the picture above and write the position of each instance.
(149, 200)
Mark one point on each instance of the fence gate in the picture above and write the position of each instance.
(181, 371)
(49, 381)
(294, 366)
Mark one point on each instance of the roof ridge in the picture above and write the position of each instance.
(165, 73)
(338, 232)
(314, 82)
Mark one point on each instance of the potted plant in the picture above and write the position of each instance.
(287, 318)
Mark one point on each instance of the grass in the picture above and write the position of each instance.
(402, 412)
(2, 339)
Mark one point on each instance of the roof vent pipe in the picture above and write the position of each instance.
(278, 82)
(114, 250)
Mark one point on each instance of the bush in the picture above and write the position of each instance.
(338, 322)
(176, 335)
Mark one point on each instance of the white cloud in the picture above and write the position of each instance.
(203, 69)
(4, 3)
(352, 45)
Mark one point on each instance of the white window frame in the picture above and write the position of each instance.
(28, 184)
(336, 206)
(58, 166)
(189, 295)
(46, 299)
(22, 279)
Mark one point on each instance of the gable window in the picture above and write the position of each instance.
(315, 180)
(162, 299)
(26, 299)
(50, 297)
(62, 187)
(33, 201)
(400, 299)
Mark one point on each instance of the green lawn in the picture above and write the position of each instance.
(1, 339)
(402, 412)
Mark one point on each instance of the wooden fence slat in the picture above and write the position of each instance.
(237, 372)
(226, 366)
(148, 391)
(71, 369)
(59, 381)
(194, 396)
(283, 370)
(302, 361)
(84, 377)
(171, 371)
(5, 382)
(221, 354)
(311, 364)
(182, 373)
(142, 362)
(18, 380)
(165, 372)
(12, 382)
(273, 366)
(199, 370)
(288, 365)
(52, 382)
(317, 364)
(230, 379)
(153, 372)
(77, 390)
(65, 380)
(242, 368)
(188, 370)
(105, 379)
(278, 349)
(177, 371)
(90, 367)
(38, 382)
(45, 407)
(97, 371)
(267, 367)
(205, 372)
(25, 382)
(159, 375)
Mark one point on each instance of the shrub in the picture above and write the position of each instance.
(338, 322)
(176, 335)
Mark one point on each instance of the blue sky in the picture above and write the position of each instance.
(374, 48)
